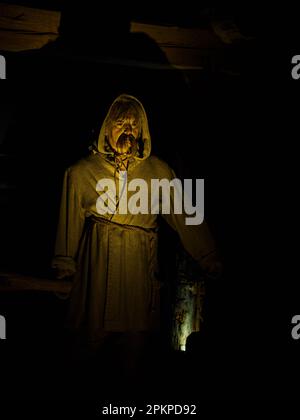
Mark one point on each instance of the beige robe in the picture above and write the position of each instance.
(114, 256)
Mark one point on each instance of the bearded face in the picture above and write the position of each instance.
(124, 134)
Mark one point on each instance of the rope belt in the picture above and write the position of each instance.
(107, 222)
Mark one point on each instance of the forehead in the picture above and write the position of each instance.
(125, 110)
(125, 117)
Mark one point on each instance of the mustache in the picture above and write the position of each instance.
(125, 137)
(126, 143)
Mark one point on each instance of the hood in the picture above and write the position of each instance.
(101, 146)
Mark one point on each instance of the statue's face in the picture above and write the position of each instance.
(123, 134)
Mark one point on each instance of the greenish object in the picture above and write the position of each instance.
(188, 303)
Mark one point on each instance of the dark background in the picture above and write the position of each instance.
(234, 130)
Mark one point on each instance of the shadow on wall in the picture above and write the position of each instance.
(108, 59)
(69, 86)
(104, 32)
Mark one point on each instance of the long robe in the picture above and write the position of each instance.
(113, 257)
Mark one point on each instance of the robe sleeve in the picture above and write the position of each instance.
(70, 226)
(196, 239)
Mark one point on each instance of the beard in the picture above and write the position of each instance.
(126, 143)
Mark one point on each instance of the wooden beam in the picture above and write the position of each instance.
(13, 282)
(183, 47)
(25, 28)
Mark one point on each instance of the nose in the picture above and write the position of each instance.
(128, 128)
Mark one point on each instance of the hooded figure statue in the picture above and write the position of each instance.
(112, 256)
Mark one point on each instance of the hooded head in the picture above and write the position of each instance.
(125, 129)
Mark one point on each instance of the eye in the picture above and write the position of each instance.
(119, 124)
